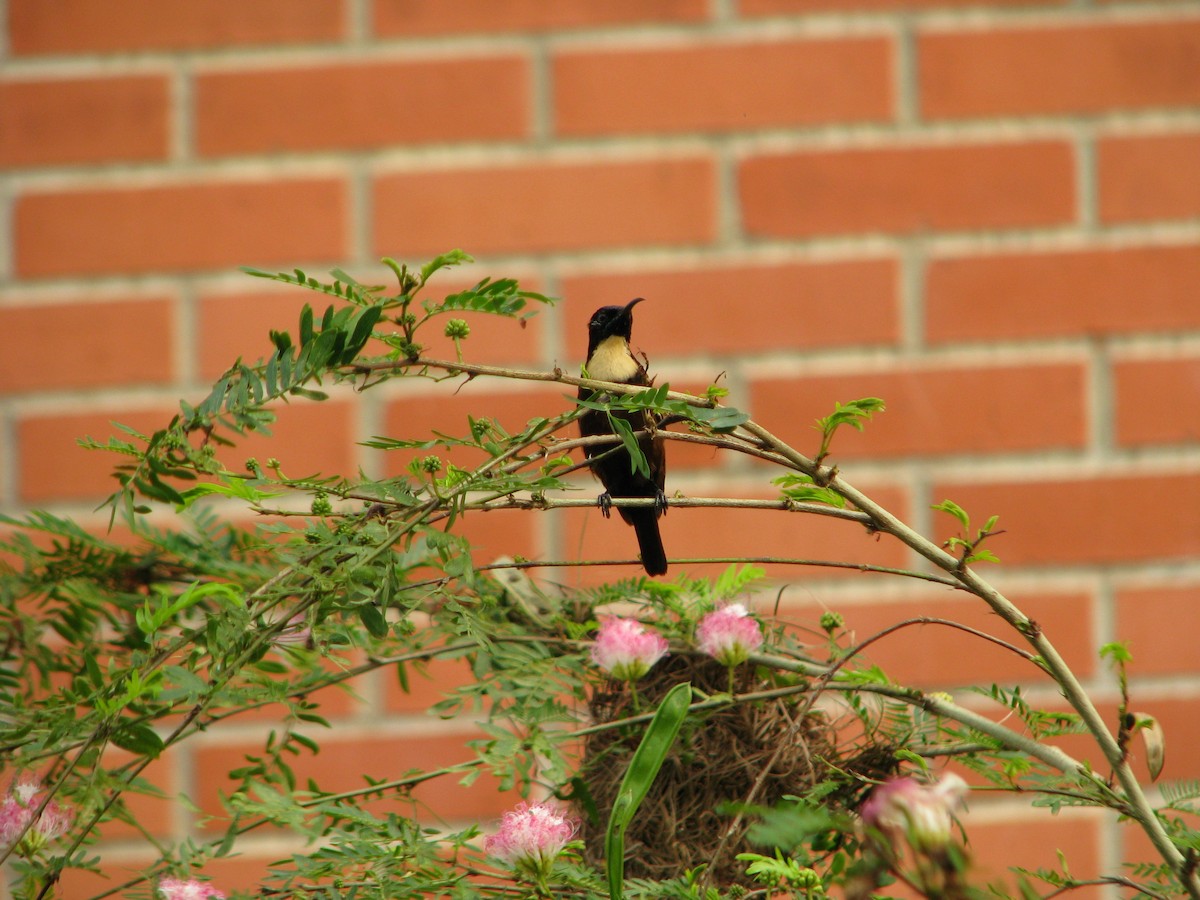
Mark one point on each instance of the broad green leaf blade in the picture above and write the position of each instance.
(643, 769)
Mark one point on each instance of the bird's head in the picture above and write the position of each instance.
(611, 321)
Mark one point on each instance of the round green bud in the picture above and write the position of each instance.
(457, 328)
(831, 622)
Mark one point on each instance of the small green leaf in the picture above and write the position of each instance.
(139, 739)
(949, 506)
(637, 459)
(373, 620)
(444, 260)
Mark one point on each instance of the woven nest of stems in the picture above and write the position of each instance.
(716, 760)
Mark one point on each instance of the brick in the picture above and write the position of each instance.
(1031, 839)
(395, 18)
(1091, 292)
(344, 761)
(1144, 178)
(940, 657)
(933, 411)
(541, 207)
(1085, 68)
(153, 814)
(722, 87)
(214, 225)
(500, 533)
(82, 120)
(427, 685)
(758, 306)
(53, 467)
(82, 26)
(1153, 400)
(91, 344)
(751, 8)
(1160, 623)
(238, 325)
(254, 110)
(907, 189)
(721, 532)
(307, 438)
(1099, 520)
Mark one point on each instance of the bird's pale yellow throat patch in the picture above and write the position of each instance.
(612, 360)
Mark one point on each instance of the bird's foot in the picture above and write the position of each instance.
(660, 503)
(604, 501)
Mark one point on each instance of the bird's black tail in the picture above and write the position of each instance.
(654, 558)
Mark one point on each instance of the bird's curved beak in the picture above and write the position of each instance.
(628, 311)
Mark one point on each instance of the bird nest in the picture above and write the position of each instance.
(717, 760)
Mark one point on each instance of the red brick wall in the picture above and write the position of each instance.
(987, 213)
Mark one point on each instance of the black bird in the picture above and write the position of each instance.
(610, 359)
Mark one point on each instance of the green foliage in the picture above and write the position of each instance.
(185, 623)
(856, 414)
(800, 488)
(968, 547)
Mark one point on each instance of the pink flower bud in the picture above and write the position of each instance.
(626, 649)
(531, 835)
(923, 815)
(192, 889)
(729, 635)
(296, 631)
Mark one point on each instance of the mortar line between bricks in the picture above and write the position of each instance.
(1087, 188)
(10, 448)
(1104, 620)
(1099, 403)
(905, 72)
(723, 12)
(7, 234)
(181, 134)
(728, 214)
(357, 21)
(910, 293)
(541, 124)
(185, 337)
(360, 215)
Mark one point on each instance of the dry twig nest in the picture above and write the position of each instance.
(716, 760)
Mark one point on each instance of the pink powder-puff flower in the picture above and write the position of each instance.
(191, 889)
(921, 814)
(531, 836)
(729, 635)
(626, 649)
(20, 820)
(14, 820)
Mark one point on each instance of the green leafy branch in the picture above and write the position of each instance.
(658, 410)
(968, 548)
(856, 414)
